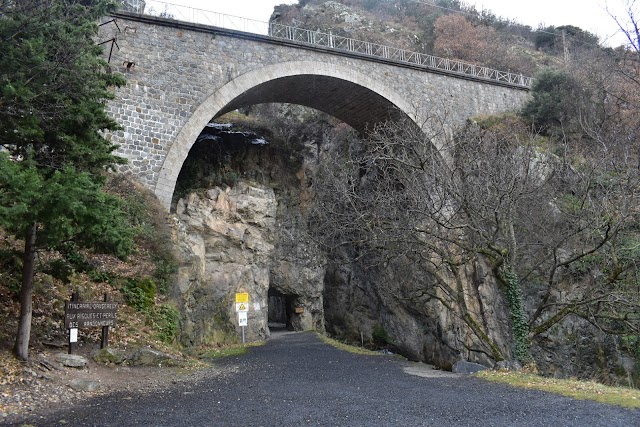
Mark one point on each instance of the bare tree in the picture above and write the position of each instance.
(494, 193)
(629, 25)
(389, 199)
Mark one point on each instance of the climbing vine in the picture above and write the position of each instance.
(518, 316)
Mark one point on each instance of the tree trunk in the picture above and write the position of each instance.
(21, 348)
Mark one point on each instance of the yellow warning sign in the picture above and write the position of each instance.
(242, 307)
(242, 297)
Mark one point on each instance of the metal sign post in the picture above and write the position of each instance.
(243, 322)
(242, 307)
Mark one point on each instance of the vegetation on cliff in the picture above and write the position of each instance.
(58, 208)
(549, 197)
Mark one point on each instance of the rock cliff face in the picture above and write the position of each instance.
(242, 240)
(226, 241)
(575, 348)
(297, 269)
(253, 237)
(400, 302)
(248, 239)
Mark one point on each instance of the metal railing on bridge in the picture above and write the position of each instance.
(326, 40)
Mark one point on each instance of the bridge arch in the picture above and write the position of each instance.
(353, 97)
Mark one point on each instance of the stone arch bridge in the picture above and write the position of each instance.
(181, 75)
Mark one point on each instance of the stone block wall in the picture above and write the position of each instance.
(182, 75)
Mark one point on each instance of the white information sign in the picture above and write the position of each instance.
(242, 318)
(256, 306)
(242, 307)
(73, 335)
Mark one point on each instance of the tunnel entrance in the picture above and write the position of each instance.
(281, 310)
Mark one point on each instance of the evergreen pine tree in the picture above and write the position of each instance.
(53, 88)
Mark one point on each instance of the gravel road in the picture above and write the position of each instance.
(296, 380)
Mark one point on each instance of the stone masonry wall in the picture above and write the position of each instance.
(181, 75)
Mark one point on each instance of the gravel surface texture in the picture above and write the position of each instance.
(296, 380)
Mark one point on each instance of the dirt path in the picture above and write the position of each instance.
(297, 380)
(43, 386)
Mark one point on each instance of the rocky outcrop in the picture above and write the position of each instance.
(241, 239)
(298, 270)
(252, 237)
(400, 303)
(575, 348)
(352, 21)
(226, 241)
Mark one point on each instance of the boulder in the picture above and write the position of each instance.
(464, 367)
(149, 357)
(109, 356)
(79, 384)
(71, 360)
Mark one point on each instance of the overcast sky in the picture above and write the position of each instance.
(590, 15)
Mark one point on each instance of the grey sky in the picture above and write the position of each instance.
(590, 15)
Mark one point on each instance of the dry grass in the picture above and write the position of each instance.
(218, 351)
(346, 347)
(583, 390)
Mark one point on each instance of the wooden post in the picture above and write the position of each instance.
(75, 297)
(105, 329)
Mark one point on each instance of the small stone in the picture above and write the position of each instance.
(213, 194)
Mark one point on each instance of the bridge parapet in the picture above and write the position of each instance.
(335, 42)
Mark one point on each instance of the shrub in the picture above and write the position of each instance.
(556, 96)
(380, 336)
(140, 293)
(165, 318)
(60, 269)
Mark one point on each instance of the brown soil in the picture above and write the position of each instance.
(43, 385)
